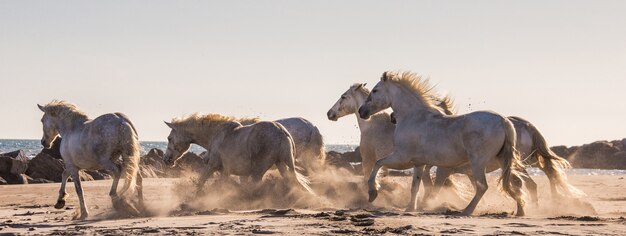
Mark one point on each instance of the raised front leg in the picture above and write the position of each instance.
(84, 213)
(394, 161)
(415, 185)
(62, 194)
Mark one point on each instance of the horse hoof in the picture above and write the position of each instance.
(373, 195)
(60, 204)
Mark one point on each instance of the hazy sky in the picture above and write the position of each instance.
(560, 64)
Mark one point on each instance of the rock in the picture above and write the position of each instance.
(3, 182)
(13, 162)
(190, 162)
(354, 156)
(16, 179)
(337, 159)
(55, 150)
(598, 155)
(45, 166)
(98, 174)
(152, 164)
(13, 165)
(38, 181)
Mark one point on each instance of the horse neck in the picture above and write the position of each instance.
(69, 125)
(360, 97)
(405, 103)
(206, 136)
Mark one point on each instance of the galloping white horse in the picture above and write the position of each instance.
(310, 150)
(92, 145)
(425, 136)
(245, 151)
(376, 132)
(533, 148)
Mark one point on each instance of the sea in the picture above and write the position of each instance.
(32, 147)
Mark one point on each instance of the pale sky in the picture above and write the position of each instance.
(559, 64)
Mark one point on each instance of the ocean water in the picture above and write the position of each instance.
(33, 147)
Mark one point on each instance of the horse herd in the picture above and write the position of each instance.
(422, 132)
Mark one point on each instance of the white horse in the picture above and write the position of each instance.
(310, 150)
(245, 151)
(93, 145)
(533, 148)
(376, 132)
(425, 136)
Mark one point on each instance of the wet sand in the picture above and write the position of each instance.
(28, 209)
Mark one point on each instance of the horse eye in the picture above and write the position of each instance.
(343, 97)
(374, 91)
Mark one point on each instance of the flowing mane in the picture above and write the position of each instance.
(248, 120)
(197, 121)
(414, 83)
(447, 105)
(64, 109)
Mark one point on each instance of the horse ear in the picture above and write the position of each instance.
(42, 108)
(169, 124)
(384, 77)
(359, 86)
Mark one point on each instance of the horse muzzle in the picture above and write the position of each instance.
(331, 116)
(364, 113)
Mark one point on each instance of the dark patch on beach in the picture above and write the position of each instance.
(581, 218)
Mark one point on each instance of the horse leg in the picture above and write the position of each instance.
(392, 160)
(479, 180)
(204, 176)
(62, 194)
(532, 187)
(84, 213)
(441, 176)
(115, 171)
(428, 185)
(415, 185)
(140, 191)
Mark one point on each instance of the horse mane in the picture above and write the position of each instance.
(447, 105)
(415, 83)
(64, 109)
(197, 121)
(248, 120)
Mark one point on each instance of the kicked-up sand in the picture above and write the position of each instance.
(339, 207)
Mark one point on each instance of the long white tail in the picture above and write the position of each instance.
(512, 166)
(552, 164)
(130, 160)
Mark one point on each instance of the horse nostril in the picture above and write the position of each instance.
(330, 115)
(43, 143)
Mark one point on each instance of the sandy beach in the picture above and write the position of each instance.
(28, 209)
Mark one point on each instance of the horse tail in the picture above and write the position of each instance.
(512, 167)
(130, 156)
(318, 141)
(552, 164)
(288, 159)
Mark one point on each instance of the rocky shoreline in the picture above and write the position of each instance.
(47, 166)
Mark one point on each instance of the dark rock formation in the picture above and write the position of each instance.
(600, 155)
(13, 165)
